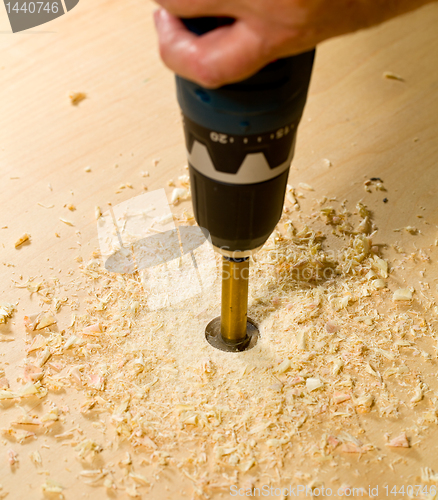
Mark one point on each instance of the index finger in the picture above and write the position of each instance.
(224, 55)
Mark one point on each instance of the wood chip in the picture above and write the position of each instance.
(69, 223)
(401, 441)
(402, 294)
(22, 239)
(392, 76)
(77, 97)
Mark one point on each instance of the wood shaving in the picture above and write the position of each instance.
(428, 475)
(53, 488)
(392, 76)
(401, 441)
(334, 347)
(6, 311)
(313, 383)
(179, 194)
(77, 97)
(22, 239)
(87, 449)
(65, 221)
(35, 457)
(402, 294)
(12, 457)
(306, 187)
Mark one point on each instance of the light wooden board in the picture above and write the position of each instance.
(364, 124)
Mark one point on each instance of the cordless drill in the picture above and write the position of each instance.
(240, 141)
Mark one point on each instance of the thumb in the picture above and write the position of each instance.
(224, 55)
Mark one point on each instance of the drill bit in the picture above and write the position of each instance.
(233, 331)
(235, 275)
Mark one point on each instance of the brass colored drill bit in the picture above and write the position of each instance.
(234, 312)
(233, 331)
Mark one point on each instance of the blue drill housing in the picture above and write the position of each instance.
(254, 123)
(269, 100)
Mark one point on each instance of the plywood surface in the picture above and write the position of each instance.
(365, 124)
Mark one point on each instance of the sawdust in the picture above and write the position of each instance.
(336, 344)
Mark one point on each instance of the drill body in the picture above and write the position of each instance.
(240, 141)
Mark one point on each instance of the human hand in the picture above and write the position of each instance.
(264, 30)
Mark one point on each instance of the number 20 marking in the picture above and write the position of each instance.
(221, 138)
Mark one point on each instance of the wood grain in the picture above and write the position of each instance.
(366, 125)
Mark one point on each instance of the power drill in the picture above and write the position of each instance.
(240, 141)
